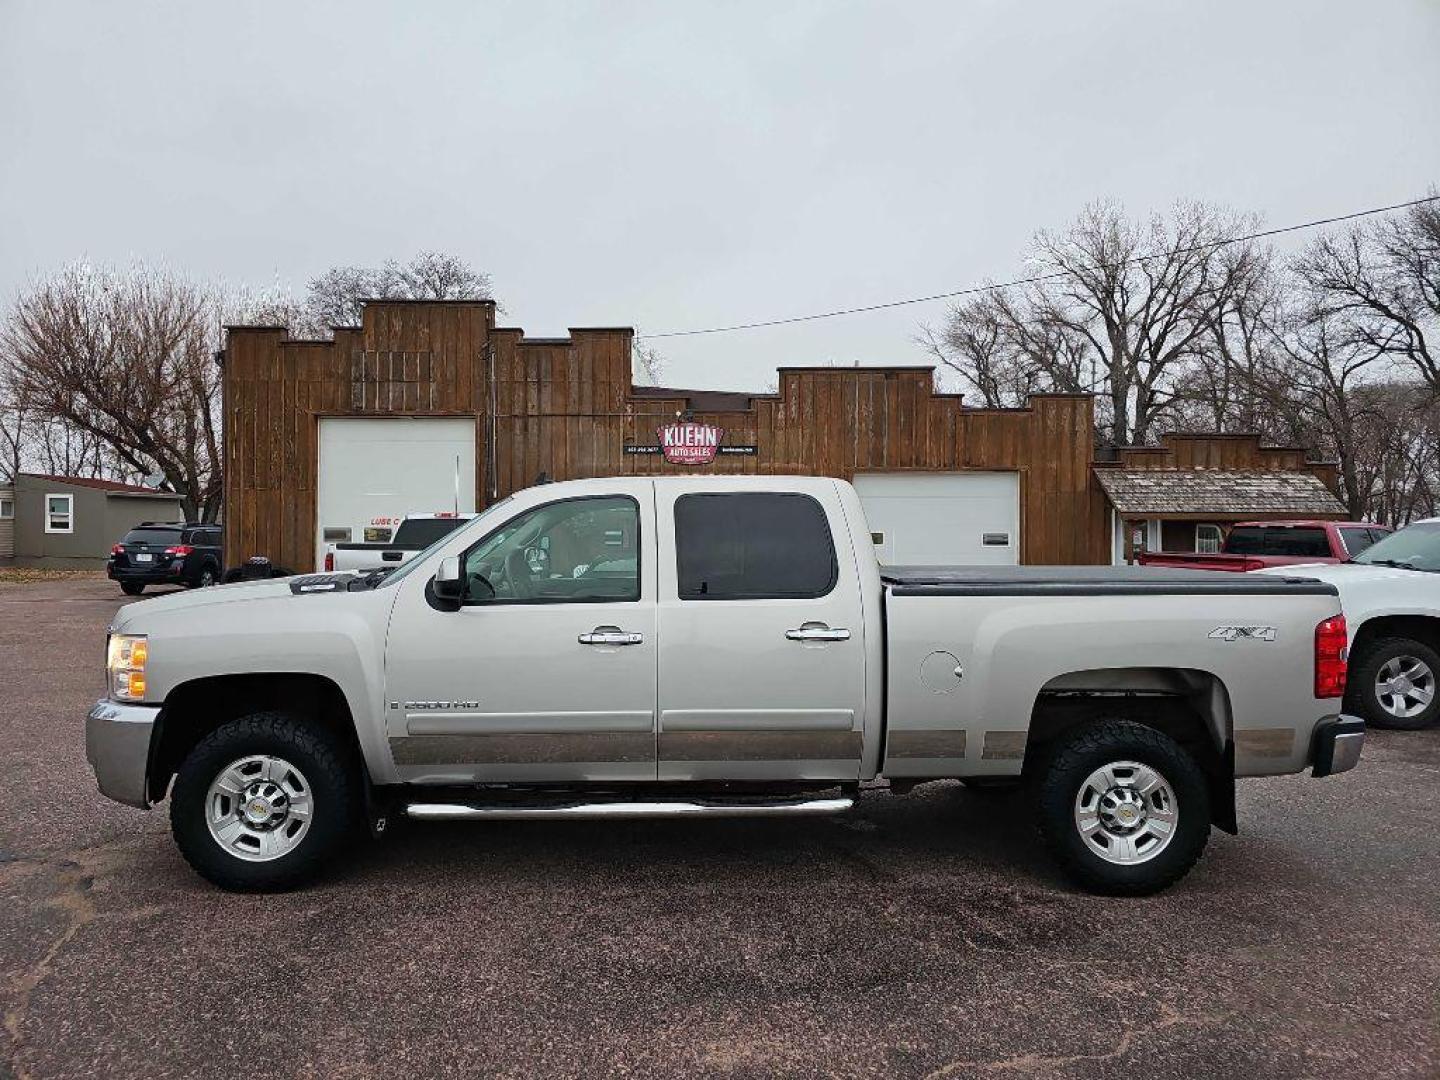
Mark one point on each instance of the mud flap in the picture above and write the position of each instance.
(1222, 792)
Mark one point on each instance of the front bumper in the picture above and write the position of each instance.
(117, 745)
(1337, 744)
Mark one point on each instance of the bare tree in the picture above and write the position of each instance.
(1383, 282)
(1123, 310)
(14, 431)
(335, 298)
(646, 361)
(125, 361)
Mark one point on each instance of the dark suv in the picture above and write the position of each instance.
(167, 553)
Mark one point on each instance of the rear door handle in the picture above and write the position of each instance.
(610, 635)
(818, 633)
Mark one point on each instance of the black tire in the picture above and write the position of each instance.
(132, 588)
(1107, 742)
(334, 784)
(1365, 672)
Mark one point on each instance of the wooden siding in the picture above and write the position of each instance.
(565, 408)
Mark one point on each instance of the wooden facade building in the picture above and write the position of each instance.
(566, 408)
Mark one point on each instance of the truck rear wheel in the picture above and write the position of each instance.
(262, 801)
(1124, 809)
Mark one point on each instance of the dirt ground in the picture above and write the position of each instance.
(918, 936)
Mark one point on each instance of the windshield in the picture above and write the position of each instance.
(408, 567)
(1416, 547)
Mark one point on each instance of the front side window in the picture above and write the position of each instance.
(753, 546)
(59, 513)
(1356, 540)
(575, 551)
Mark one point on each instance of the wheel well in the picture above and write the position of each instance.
(1190, 706)
(1420, 628)
(194, 709)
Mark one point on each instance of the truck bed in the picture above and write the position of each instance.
(1087, 581)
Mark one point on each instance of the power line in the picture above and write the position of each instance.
(1037, 278)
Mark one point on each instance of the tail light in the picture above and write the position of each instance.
(329, 561)
(179, 549)
(118, 549)
(1331, 653)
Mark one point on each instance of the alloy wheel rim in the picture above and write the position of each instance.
(1405, 686)
(259, 808)
(1126, 812)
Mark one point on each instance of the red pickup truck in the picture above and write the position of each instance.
(1253, 545)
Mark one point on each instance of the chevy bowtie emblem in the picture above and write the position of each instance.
(1243, 633)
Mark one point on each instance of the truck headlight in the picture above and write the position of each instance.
(125, 656)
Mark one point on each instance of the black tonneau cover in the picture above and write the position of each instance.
(1089, 581)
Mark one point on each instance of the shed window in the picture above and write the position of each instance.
(59, 513)
(7, 508)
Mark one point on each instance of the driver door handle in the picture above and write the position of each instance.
(610, 635)
(812, 632)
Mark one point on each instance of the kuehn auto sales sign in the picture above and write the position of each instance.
(687, 443)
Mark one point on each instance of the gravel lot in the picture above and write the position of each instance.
(923, 936)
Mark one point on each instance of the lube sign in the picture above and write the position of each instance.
(689, 443)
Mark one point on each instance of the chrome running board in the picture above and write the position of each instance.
(591, 811)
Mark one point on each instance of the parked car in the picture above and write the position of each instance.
(727, 646)
(167, 553)
(414, 534)
(1254, 545)
(1391, 596)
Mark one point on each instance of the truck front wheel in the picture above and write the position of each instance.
(1124, 808)
(262, 801)
(1393, 682)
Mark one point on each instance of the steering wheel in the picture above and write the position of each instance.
(517, 573)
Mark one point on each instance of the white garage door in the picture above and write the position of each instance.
(943, 519)
(373, 472)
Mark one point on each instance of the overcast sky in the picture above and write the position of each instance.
(675, 165)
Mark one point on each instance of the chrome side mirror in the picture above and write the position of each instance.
(447, 583)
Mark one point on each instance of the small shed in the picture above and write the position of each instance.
(71, 522)
(1191, 510)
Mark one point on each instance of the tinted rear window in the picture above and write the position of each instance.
(744, 546)
(422, 532)
(152, 537)
(1296, 542)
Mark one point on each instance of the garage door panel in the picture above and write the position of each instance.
(965, 518)
(370, 468)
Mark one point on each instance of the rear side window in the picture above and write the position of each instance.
(753, 546)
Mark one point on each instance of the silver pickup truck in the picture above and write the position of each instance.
(658, 647)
